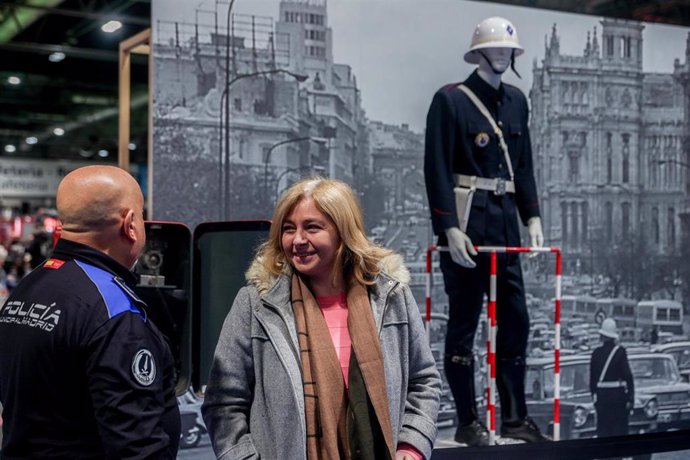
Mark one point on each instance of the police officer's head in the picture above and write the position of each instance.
(608, 330)
(494, 44)
(103, 207)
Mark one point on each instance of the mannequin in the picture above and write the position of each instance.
(462, 149)
(492, 65)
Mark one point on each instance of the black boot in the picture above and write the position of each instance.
(510, 383)
(526, 430)
(460, 375)
(472, 435)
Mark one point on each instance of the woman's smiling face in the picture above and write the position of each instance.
(310, 241)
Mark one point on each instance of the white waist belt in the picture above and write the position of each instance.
(497, 185)
(617, 384)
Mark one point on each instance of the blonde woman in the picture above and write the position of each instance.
(323, 355)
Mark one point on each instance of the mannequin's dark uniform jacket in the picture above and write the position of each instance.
(460, 140)
(83, 373)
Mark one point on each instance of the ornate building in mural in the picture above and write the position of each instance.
(608, 144)
(250, 105)
(334, 99)
(398, 158)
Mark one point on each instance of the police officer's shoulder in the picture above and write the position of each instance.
(450, 86)
(117, 297)
(449, 89)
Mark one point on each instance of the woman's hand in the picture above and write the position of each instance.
(403, 456)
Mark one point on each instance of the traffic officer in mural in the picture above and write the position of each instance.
(478, 171)
(611, 383)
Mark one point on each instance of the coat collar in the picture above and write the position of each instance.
(275, 291)
(278, 295)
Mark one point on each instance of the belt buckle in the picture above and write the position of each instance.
(500, 186)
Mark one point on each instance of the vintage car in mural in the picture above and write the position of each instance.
(578, 416)
(193, 426)
(657, 376)
(681, 353)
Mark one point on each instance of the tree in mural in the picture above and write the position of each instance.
(371, 193)
(631, 268)
(248, 198)
(186, 174)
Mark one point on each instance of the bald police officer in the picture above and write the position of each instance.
(83, 373)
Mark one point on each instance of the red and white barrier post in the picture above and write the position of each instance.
(491, 351)
(557, 353)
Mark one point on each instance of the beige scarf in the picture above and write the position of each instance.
(325, 397)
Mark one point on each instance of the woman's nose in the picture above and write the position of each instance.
(300, 237)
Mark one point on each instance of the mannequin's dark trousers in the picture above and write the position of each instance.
(466, 288)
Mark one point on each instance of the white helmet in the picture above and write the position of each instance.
(608, 328)
(493, 33)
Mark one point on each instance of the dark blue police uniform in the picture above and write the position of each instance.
(460, 140)
(83, 373)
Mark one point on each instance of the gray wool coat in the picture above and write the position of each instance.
(254, 403)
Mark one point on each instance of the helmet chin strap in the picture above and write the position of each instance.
(499, 72)
(512, 64)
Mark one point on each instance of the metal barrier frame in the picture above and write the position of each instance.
(493, 327)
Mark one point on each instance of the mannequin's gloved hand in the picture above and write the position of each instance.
(461, 247)
(536, 234)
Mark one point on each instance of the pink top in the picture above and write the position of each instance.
(334, 309)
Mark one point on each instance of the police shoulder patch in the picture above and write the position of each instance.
(144, 367)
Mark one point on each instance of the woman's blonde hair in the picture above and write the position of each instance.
(357, 257)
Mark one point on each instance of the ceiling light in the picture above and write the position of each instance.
(132, 146)
(111, 26)
(31, 140)
(103, 153)
(9, 148)
(14, 80)
(56, 56)
(58, 131)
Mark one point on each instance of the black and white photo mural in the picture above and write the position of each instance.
(252, 95)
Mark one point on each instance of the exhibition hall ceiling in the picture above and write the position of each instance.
(59, 77)
(59, 69)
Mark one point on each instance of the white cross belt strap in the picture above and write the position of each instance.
(482, 108)
(497, 185)
(605, 368)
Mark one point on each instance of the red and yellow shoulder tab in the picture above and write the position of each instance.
(53, 263)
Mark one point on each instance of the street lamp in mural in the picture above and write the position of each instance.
(224, 133)
(267, 157)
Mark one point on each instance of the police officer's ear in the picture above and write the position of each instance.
(129, 225)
